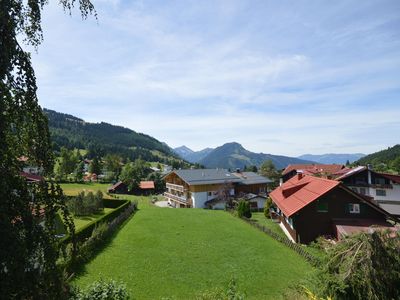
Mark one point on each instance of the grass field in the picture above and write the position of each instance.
(262, 220)
(72, 189)
(82, 221)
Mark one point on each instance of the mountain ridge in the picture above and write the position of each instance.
(233, 155)
(332, 158)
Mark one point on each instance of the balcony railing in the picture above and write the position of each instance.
(175, 187)
(175, 197)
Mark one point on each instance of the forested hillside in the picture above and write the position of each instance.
(388, 159)
(100, 139)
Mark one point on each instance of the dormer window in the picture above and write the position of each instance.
(354, 208)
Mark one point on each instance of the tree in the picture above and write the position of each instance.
(363, 266)
(112, 164)
(28, 251)
(243, 209)
(268, 170)
(267, 207)
(224, 194)
(79, 171)
(95, 166)
(396, 164)
(129, 176)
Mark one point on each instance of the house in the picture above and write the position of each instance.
(321, 170)
(202, 188)
(118, 188)
(146, 187)
(31, 177)
(383, 187)
(251, 183)
(29, 167)
(308, 207)
(257, 202)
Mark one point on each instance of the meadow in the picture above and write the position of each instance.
(179, 253)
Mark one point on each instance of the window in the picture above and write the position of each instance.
(362, 191)
(289, 221)
(322, 206)
(381, 192)
(354, 189)
(209, 193)
(379, 180)
(354, 208)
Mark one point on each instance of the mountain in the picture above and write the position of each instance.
(196, 156)
(102, 138)
(332, 158)
(190, 155)
(385, 157)
(183, 151)
(233, 156)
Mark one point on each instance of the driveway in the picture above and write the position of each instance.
(162, 204)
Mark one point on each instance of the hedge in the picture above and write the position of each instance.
(86, 231)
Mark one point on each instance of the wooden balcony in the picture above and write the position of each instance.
(175, 187)
(175, 197)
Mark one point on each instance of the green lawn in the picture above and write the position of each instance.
(177, 253)
(268, 223)
(72, 189)
(262, 220)
(82, 221)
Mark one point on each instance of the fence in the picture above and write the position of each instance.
(284, 240)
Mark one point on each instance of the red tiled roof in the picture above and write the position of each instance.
(347, 227)
(351, 172)
(31, 177)
(115, 186)
(145, 185)
(297, 192)
(314, 168)
(392, 177)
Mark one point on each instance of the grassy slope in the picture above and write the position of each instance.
(178, 253)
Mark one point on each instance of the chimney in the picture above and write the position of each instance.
(299, 175)
(369, 167)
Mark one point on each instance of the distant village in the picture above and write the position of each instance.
(306, 200)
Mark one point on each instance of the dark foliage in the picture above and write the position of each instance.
(28, 250)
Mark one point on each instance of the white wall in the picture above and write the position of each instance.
(391, 195)
(200, 198)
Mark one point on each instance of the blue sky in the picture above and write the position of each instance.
(281, 77)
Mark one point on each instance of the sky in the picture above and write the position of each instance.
(280, 77)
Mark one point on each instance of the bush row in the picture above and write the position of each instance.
(86, 231)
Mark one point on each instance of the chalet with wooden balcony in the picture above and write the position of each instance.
(308, 207)
(382, 187)
(198, 188)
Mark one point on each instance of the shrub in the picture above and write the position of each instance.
(267, 207)
(230, 293)
(243, 209)
(103, 290)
